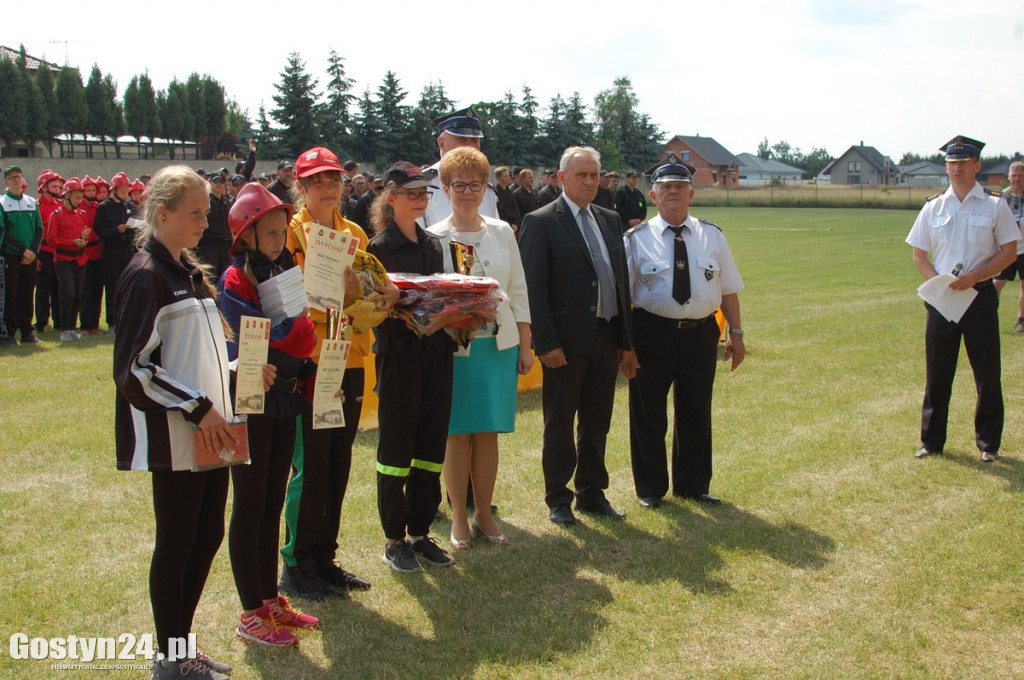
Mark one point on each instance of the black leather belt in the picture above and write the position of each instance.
(982, 285)
(679, 324)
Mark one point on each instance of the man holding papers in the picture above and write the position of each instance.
(969, 233)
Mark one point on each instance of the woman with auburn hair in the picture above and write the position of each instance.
(485, 373)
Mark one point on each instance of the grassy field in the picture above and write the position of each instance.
(836, 554)
(818, 196)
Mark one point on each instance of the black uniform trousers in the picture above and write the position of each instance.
(20, 286)
(111, 273)
(326, 464)
(584, 386)
(48, 293)
(92, 295)
(684, 359)
(70, 276)
(415, 391)
(979, 328)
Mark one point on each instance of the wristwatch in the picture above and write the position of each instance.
(736, 331)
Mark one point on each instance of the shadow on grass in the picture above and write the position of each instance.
(691, 553)
(1010, 469)
(497, 606)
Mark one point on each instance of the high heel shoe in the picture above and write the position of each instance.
(498, 540)
(460, 543)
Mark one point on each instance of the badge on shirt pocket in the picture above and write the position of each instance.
(708, 266)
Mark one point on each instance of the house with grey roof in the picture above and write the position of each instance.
(756, 171)
(923, 174)
(864, 165)
(715, 165)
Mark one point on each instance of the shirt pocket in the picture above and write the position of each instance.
(650, 270)
(979, 229)
(708, 267)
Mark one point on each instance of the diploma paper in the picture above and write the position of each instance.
(328, 254)
(948, 302)
(330, 370)
(253, 340)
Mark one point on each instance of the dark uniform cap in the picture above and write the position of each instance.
(407, 175)
(238, 179)
(630, 174)
(284, 164)
(462, 123)
(961, 148)
(673, 171)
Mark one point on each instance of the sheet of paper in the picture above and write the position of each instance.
(948, 302)
(327, 411)
(283, 296)
(253, 342)
(328, 254)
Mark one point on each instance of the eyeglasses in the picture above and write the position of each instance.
(460, 187)
(415, 194)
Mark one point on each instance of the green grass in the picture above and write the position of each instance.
(837, 554)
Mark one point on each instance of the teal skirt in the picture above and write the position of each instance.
(484, 388)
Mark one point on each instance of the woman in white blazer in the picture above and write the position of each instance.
(485, 373)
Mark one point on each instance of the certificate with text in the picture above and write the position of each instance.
(253, 343)
(327, 411)
(328, 254)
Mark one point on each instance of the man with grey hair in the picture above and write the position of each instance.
(458, 128)
(1014, 197)
(577, 279)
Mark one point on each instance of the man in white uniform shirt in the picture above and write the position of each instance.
(969, 232)
(1014, 197)
(680, 271)
(459, 128)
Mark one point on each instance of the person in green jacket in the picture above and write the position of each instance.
(22, 235)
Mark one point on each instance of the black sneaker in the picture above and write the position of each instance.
(339, 578)
(431, 552)
(30, 339)
(401, 557)
(306, 583)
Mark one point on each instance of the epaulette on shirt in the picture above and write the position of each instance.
(710, 224)
(635, 229)
(931, 198)
(997, 194)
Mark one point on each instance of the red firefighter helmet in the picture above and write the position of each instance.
(251, 203)
(120, 180)
(100, 182)
(137, 186)
(45, 177)
(72, 184)
(86, 181)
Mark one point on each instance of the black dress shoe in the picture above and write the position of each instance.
(924, 452)
(602, 508)
(650, 501)
(708, 499)
(562, 514)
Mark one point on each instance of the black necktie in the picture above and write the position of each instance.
(680, 268)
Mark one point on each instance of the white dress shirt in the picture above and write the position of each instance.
(650, 253)
(968, 233)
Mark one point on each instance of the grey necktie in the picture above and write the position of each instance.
(605, 277)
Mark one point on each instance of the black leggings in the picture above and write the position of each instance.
(69, 277)
(259, 489)
(189, 512)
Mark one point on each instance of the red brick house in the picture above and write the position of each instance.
(716, 167)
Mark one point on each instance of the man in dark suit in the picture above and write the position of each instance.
(578, 282)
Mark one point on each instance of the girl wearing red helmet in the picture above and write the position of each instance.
(259, 223)
(92, 285)
(67, 234)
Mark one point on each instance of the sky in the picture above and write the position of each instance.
(899, 75)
